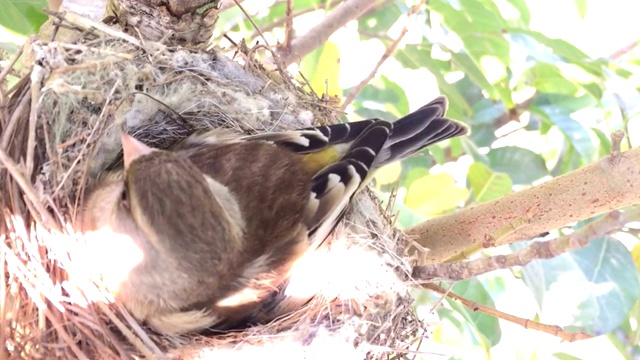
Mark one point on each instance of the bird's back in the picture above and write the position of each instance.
(274, 234)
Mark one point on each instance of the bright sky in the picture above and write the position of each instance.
(608, 25)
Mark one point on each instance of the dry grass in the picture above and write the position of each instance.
(59, 132)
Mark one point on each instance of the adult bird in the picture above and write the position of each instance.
(221, 217)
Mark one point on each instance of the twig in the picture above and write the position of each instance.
(616, 140)
(3, 301)
(138, 329)
(390, 49)
(595, 189)
(295, 14)
(84, 22)
(28, 190)
(347, 11)
(11, 63)
(65, 336)
(139, 344)
(13, 121)
(526, 323)
(255, 26)
(538, 250)
(37, 76)
(228, 4)
(288, 27)
(624, 50)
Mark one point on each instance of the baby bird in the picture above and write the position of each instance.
(220, 218)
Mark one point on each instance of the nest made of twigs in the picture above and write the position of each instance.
(59, 132)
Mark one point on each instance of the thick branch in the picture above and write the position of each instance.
(461, 270)
(347, 11)
(592, 190)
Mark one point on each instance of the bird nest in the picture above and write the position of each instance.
(60, 129)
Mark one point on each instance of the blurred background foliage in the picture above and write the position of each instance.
(542, 84)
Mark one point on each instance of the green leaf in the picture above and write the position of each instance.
(470, 17)
(563, 356)
(568, 159)
(548, 78)
(605, 143)
(380, 21)
(400, 102)
(581, 6)
(368, 113)
(523, 9)
(434, 194)
(471, 148)
(483, 135)
(486, 111)
(388, 94)
(523, 165)
(321, 67)
(590, 289)
(23, 17)
(567, 51)
(459, 108)
(577, 135)
(479, 45)
(486, 184)
(416, 57)
(473, 71)
(484, 324)
(406, 216)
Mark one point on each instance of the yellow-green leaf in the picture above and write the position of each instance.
(321, 68)
(486, 184)
(434, 194)
(388, 174)
(635, 253)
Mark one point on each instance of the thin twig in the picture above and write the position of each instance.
(149, 353)
(288, 26)
(526, 323)
(87, 23)
(390, 49)
(37, 76)
(295, 14)
(65, 336)
(28, 190)
(347, 11)
(625, 49)
(13, 121)
(228, 4)
(255, 26)
(11, 63)
(3, 300)
(138, 329)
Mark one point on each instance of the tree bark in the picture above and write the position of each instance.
(608, 184)
(173, 22)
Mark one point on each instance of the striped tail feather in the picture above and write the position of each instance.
(410, 134)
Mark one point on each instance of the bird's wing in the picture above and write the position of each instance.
(334, 186)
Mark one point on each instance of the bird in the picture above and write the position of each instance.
(220, 217)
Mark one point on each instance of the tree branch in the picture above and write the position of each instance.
(390, 49)
(525, 323)
(347, 11)
(592, 190)
(460, 270)
(295, 14)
